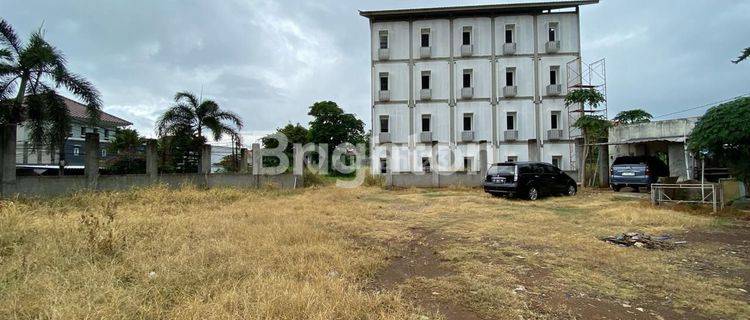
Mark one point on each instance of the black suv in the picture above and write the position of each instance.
(528, 180)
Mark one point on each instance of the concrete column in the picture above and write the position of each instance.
(435, 166)
(483, 159)
(243, 160)
(152, 160)
(298, 158)
(8, 158)
(25, 152)
(257, 159)
(91, 160)
(205, 164)
(603, 166)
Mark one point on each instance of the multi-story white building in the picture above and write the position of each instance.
(461, 79)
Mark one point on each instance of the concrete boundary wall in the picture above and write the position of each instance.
(43, 186)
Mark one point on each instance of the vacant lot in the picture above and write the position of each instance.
(364, 253)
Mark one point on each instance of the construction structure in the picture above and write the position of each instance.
(450, 82)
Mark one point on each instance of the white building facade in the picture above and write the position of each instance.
(449, 82)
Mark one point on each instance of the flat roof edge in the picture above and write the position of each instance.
(477, 9)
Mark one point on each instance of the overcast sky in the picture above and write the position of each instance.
(270, 60)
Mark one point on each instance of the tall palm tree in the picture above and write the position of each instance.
(192, 115)
(37, 69)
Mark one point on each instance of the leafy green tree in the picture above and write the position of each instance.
(745, 53)
(188, 114)
(294, 133)
(34, 71)
(334, 127)
(723, 132)
(591, 126)
(633, 116)
(127, 150)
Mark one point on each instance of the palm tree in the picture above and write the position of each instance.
(37, 69)
(632, 116)
(593, 98)
(189, 114)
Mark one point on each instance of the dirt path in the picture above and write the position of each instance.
(419, 259)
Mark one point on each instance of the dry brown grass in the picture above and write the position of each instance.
(313, 254)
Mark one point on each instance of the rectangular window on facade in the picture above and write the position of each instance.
(512, 159)
(425, 38)
(425, 79)
(510, 75)
(467, 78)
(76, 150)
(557, 161)
(104, 153)
(384, 124)
(552, 32)
(106, 133)
(468, 121)
(510, 121)
(555, 120)
(466, 36)
(383, 81)
(509, 33)
(554, 72)
(426, 122)
(426, 164)
(383, 38)
(468, 164)
(83, 131)
(383, 165)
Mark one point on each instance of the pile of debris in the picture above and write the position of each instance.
(642, 240)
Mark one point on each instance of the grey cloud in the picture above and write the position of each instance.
(270, 60)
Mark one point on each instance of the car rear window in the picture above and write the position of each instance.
(502, 169)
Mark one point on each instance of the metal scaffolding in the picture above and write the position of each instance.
(582, 75)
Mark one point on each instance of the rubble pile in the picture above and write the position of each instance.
(642, 240)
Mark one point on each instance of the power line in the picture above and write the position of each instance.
(711, 104)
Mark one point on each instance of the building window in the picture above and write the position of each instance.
(426, 122)
(510, 121)
(552, 32)
(555, 120)
(512, 159)
(384, 124)
(383, 36)
(426, 164)
(383, 165)
(425, 79)
(466, 36)
(76, 151)
(383, 81)
(554, 73)
(83, 131)
(425, 38)
(467, 78)
(468, 121)
(106, 133)
(509, 28)
(510, 75)
(557, 161)
(104, 153)
(469, 164)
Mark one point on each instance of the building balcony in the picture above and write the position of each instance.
(511, 135)
(554, 134)
(384, 95)
(467, 93)
(467, 136)
(384, 137)
(510, 91)
(554, 89)
(425, 94)
(384, 54)
(425, 137)
(425, 52)
(552, 46)
(467, 50)
(509, 48)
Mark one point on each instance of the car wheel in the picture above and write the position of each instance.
(616, 188)
(636, 189)
(532, 194)
(571, 190)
